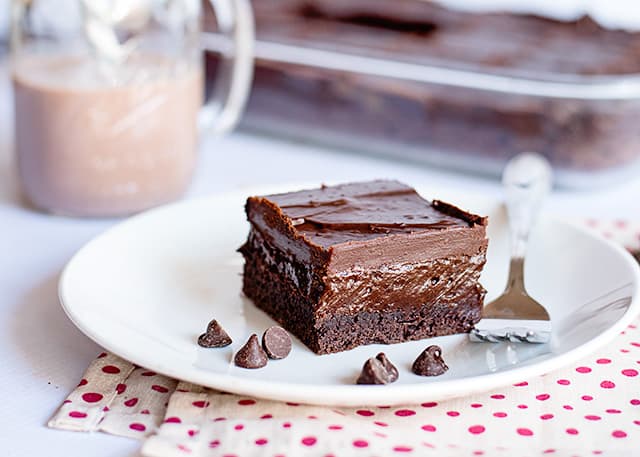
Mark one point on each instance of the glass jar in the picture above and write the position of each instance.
(109, 98)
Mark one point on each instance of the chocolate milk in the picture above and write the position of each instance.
(92, 142)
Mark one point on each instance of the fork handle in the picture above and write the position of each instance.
(527, 181)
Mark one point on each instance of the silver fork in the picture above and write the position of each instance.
(515, 316)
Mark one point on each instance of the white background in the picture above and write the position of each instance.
(42, 356)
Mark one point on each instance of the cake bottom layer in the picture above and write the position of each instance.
(279, 297)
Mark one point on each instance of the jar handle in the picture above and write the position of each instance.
(225, 105)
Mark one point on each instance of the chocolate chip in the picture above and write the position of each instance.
(430, 362)
(390, 367)
(214, 337)
(251, 355)
(276, 342)
(378, 370)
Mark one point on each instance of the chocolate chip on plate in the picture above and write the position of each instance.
(378, 370)
(276, 342)
(251, 355)
(430, 362)
(214, 337)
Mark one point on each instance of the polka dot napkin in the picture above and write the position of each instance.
(589, 408)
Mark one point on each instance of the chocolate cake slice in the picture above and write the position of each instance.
(364, 263)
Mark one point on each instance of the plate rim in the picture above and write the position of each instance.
(356, 395)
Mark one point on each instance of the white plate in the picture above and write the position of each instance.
(148, 287)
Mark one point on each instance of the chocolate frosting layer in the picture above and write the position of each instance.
(361, 211)
(364, 225)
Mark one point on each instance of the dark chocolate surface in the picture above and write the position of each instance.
(362, 211)
(425, 32)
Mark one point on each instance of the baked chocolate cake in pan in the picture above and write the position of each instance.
(362, 263)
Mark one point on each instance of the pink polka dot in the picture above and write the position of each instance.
(360, 443)
(92, 397)
(592, 417)
(160, 389)
(500, 414)
(402, 449)
(429, 404)
(478, 452)
(476, 429)
(636, 344)
(365, 412)
(214, 444)
(77, 415)
(428, 428)
(66, 401)
(618, 434)
(138, 427)
(498, 396)
(546, 417)
(607, 384)
(173, 420)
(290, 403)
(131, 402)
(543, 397)
(587, 397)
(476, 405)
(583, 370)
(522, 406)
(613, 411)
(603, 361)
(312, 417)
(549, 451)
(630, 372)
(521, 384)
(192, 433)
(200, 403)
(381, 424)
(246, 402)
(183, 448)
(219, 419)
(266, 416)
(148, 373)
(563, 382)
(405, 412)
(335, 427)
(145, 411)
(568, 407)
(597, 452)
(110, 369)
(571, 431)
(453, 413)
(635, 401)
(524, 432)
(238, 427)
(261, 441)
(309, 440)
(636, 422)
(286, 425)
(120, 388)
(83, 382)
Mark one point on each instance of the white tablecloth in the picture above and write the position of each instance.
(42, 355)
